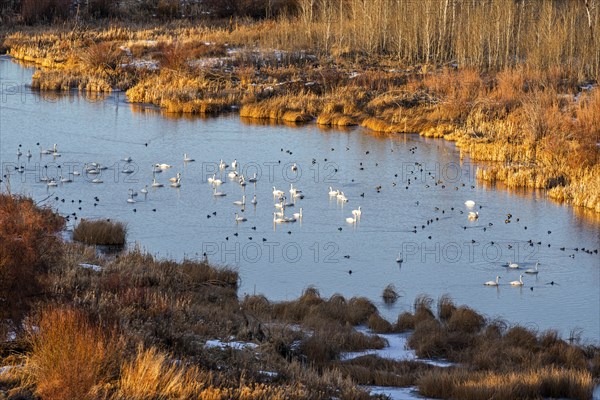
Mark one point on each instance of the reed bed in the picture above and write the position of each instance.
(100, 232)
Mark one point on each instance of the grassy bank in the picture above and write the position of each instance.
(137, 327)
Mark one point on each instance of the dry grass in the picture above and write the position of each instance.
(546, 382)
(100, 232)
(390, 294)
(70, 357)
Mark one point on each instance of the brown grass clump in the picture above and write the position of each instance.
(390, 295)
(336, 119)
(378, 324)
(71, 358)
(547, 382)
(100, 232)
(152, 375)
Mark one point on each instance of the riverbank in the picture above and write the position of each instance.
(137, 327)
(534, 128)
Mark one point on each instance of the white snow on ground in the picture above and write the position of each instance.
(93, 267)
(396, 393)
(5, 369)
(397, 349)
(229, 345)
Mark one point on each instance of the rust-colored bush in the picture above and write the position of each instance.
(28, 246)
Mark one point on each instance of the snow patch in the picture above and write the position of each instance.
(397, 349)
(229, 345)
(93, 267)
(396, 393)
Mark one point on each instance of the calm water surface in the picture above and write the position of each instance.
(449, 255)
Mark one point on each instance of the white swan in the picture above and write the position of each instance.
(177, 183)
(76, 173)
(399, 258)
(282, 219)
(218, 194)
(519, 282)
(131, 194)
(253, 201)
(222, 164)
(144, 190)
(470, 203)
(239, 218)
(65, 180)
(234, 164)
(19, 153)
(187, 159)
(342, 197)
(128, 169)
(298, 215)
(163, 166)
(241, 202)
(350, 220)
(533, 270)
(215, 181)
(97, 180)
(52, 182)
(473, 216)
(29, 155)
(127, 159)
(43, 151)
(242, 180)
(512, 265)
(357, 213)
(493, 283)
(232, 174)
(175, 178)
(253, 179)
(155, 183)
(277, 193)
(333, 192)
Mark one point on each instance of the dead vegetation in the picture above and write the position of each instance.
(136, 327)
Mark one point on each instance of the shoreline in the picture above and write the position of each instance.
(425, 103)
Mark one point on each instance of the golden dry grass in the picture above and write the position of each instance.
(100, 232)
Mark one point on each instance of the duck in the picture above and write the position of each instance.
(519, 282)
(533, 271)
(493, 283)
(186, 158)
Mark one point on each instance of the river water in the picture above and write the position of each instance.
(418, 211)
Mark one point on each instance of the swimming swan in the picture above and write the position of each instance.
(187, 159)
(298, 215)
(239, 218)
(241, 202)
(473, 216)
(470, 203)
(519, 282)
(512, 265)
(492, 283)
(357, 213)
(533, 271)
